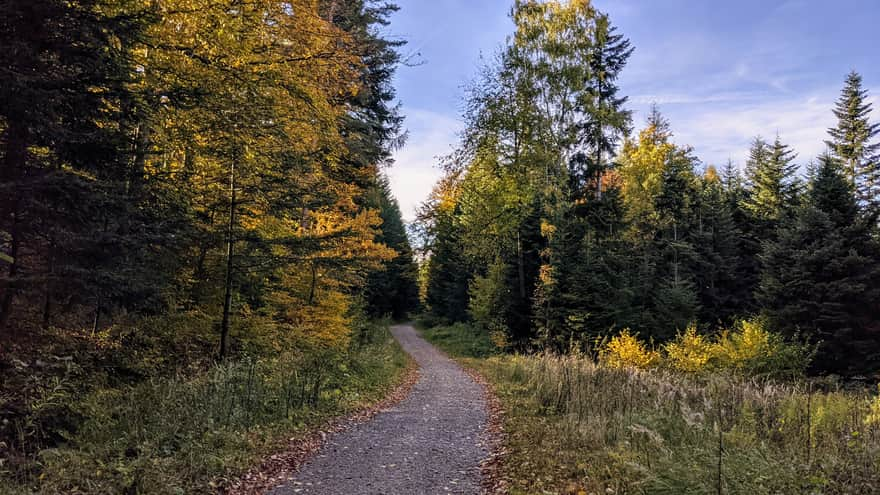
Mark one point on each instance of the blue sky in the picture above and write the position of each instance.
(721, 71)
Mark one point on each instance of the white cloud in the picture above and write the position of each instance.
(415, 170)
(725, 130)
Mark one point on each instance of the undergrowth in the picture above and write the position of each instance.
(575, 426)
(188, 434)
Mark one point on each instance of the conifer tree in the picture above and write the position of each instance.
(853, 140)
(392, 289)
(821, 275)
(607, 120)
(773, 186)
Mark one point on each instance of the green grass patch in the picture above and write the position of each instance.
(460, 340)
(182, 435)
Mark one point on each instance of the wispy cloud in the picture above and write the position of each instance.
(724, 130)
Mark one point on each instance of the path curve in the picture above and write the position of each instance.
(430, 442)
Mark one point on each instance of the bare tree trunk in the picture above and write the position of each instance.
(230, 253)
(9, 290)
(520, 268)
(331, 12)
(314, 284)
(13, 163)
(47, 302)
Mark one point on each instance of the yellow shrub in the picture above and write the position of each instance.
(690, 351)
(873, 417)
(627, 351)
(751, 341)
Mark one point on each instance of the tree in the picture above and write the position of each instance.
(641, 166)
(852, 139)
(821, 275)
(62, 175)
(773, 187)
(393, 289)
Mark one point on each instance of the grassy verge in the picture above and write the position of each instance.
(459, 340)
(576, 427)
(174, 436)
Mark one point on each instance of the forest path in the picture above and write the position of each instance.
(428, 443)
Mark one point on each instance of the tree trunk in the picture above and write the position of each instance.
(9, 290)
(520, 268)
(230, 253)
(14, 163)
(314, 284)
(47, 302)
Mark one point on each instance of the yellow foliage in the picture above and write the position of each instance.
(690, 351)
(749, 342)
(641, 169)
(873, 417)
(627, 351)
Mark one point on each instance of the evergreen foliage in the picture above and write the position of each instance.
(651, 240)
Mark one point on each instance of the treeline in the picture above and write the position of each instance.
(186, 154)
(555, 224)
(187, 180)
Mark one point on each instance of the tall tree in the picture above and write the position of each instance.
(822, 277)
(393, 289)
(62, 171)
(852, 140)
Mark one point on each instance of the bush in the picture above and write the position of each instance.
(627, 351)
(749, 349)
(690, 351)
(753, 349)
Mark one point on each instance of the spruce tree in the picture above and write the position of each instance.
(392, 289)
(821, 275)
(717, 243)
(773, 186)
(607, 120)
(853, 140)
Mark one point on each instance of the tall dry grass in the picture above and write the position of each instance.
(623, 430)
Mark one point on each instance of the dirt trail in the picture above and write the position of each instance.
(428, 443)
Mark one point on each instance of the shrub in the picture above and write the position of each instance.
(627, 351)
(753, 349)
(690, 351)
(873, 417)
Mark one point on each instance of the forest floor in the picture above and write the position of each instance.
(431, 442)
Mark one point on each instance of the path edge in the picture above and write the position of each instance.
(278, 468)
(492, 481)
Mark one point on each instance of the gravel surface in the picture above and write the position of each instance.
(428, 443)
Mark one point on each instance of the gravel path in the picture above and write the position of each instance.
(428, 443)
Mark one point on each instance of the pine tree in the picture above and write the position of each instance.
(821, 276)
(852, 140)
(607, 120)
(717, 244)
(62, 175)
(393, 289)
(674, 293)
(773, 187)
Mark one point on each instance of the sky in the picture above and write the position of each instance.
(722, 72)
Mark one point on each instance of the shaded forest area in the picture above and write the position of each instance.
(185, 183)
(557, 226)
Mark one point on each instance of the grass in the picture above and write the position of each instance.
(459, 340)
(576, 427)
(174, 436)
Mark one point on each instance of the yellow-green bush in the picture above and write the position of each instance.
(627, 351)
(873, 417)
(749, 348)
(690, 351)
